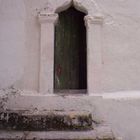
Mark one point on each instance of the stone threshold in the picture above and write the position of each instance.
(70, 91)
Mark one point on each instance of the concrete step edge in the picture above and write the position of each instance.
(102, 133)
(45, 121)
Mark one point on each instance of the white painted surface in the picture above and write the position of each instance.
(94, 54)
(12, 42)
(46, 73)
(19, 62)
(121, 45)
(20, 38)
(93, 22)
(122, 115)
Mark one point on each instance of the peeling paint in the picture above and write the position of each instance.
(6, 94)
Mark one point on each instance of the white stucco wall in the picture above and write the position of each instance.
(12, 42)
(121, 45)
(20, 37)
(19, 61)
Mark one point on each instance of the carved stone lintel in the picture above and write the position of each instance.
(93, 20)
(47, 17)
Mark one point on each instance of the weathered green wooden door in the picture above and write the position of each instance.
(70, 51)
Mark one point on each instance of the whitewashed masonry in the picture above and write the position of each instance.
(93, 21)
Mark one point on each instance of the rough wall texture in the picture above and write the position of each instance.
(122, 115)
(19, 59)
(20, 36)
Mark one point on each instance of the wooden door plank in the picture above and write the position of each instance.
(70, 51)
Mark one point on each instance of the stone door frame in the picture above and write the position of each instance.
(93, 21)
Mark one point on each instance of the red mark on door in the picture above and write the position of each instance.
(59, 70)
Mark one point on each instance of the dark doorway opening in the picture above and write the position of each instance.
(70, 57)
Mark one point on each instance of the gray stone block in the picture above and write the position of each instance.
(45, 120)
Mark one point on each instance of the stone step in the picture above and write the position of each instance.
(100, 133)
(45, 120)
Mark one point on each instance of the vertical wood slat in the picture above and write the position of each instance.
(70, 51)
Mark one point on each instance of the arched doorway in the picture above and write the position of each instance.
(70, 57)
